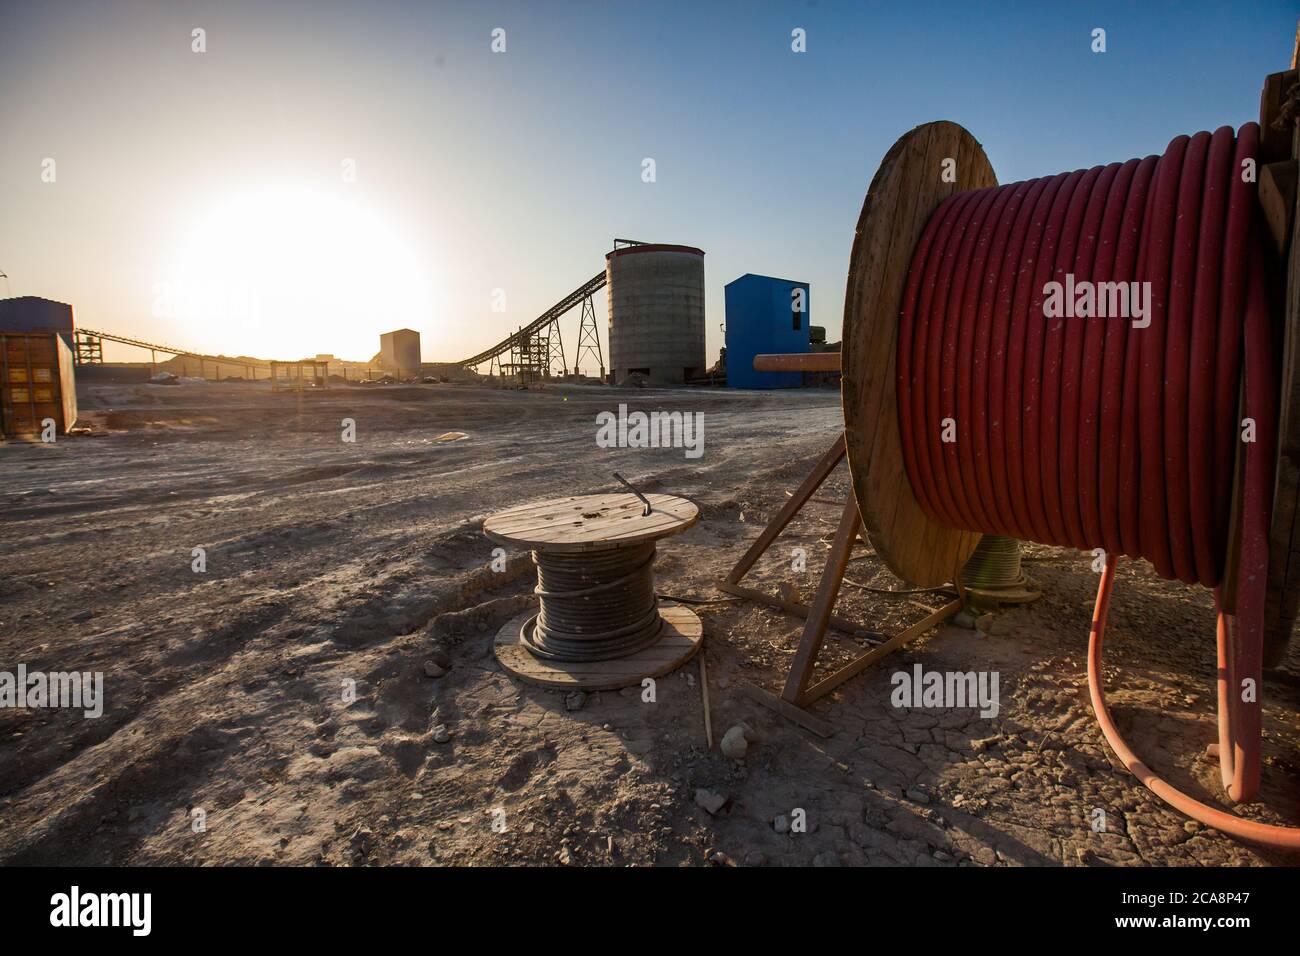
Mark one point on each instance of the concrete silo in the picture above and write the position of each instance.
(656, 312)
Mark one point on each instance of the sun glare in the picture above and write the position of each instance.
(290, 272)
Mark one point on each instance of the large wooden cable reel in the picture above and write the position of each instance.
(923, 168)
(908, 186)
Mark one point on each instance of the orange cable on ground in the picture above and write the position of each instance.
(1263, 833)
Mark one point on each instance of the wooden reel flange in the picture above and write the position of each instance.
(924, 167)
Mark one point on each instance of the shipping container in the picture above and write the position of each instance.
(37, 382)
(30, 313)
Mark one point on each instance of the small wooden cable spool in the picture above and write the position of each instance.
(599, 625)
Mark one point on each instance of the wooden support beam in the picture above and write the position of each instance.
(1277, 195)
(818, 617)
(787, 710)
(814, 631)
(1274, 142)
(1283, 599)
(820, 471)
(842, 624)
(859, 664)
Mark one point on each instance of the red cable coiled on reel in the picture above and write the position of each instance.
(1108, 431)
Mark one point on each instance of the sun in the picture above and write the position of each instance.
(288, 272)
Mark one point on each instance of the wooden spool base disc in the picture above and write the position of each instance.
(681, 638)
(907, 188)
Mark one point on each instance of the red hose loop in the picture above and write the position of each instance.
(1079, 427)
(1005, 257)
(1081, 373)
(1057, 428)
(972, 377)
(1117, 451)
(911, 382)
(1157, 247)
(1209, 267)
(1037, 332)
(1282, 837)
(1232, 298)
(1013, 405)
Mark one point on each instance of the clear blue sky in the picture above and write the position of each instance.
(516, 170)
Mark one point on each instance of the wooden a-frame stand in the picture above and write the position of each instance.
(797, 693)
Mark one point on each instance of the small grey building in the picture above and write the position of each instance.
(399, 351)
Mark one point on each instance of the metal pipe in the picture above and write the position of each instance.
(798, 362)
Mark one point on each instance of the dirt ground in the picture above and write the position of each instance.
(228, 734)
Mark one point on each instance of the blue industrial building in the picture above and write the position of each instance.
(763, 316)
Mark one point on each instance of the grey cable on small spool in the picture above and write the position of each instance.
(595, 605)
